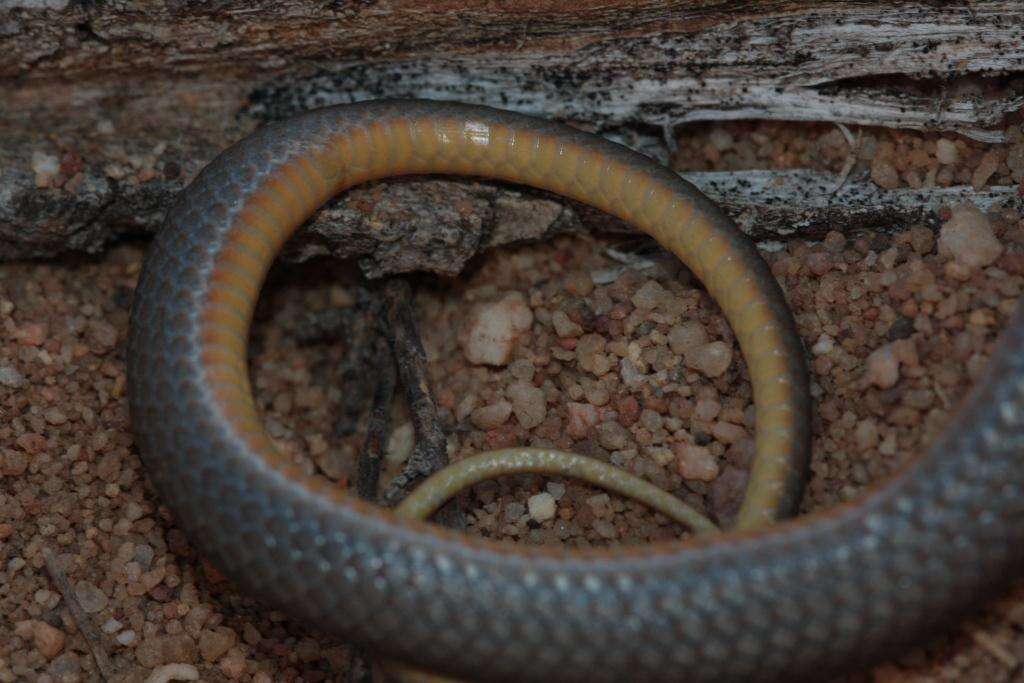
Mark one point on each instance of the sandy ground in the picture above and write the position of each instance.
(631, 360)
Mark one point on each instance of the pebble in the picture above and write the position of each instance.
(528, 403)
(600, 503)
(214, 643)
(711, 360)
(721, 139)
(596, 393)
(946, 151)
(661, 455)
(465, 407)
(522, 369)
(542, 507)
(628, 409)
(706, 410)
(613, 436)
(491, 416)
(823, 346)
(14, 463)
(492, 329)
(967, 237)
(564, 327)
(579, 283)
(582, 416)
(687, 336)
(47, 639)
(726, 492)
(651, 295)
(556, 489)
(866, 434)
(884, 174)
(728, 433)
(400, 443)
(233, 665)
(91, 598)
(173, 672)
(65, 667)
(31, 334)
(631, 375)
(651, 420)
(514, 511)
(590, 354)
(696, 462)
(882, 368)
(101, 335)
(45, 167)
(11, 378)
(986, 168)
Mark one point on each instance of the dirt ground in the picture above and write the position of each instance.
(634, 365)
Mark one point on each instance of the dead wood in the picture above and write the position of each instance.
(107, 111)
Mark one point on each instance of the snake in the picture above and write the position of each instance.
(770, 599)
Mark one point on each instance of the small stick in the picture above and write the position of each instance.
(368, 472)
(430, 453)
(85, 625)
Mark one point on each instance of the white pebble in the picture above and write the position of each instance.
(173, 672)
(967, 237)
(542, 507)
(45, 165)
(400, 444)
(883, 368)
(489, 335)
(824, 345)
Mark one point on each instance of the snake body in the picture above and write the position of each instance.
(801, 599)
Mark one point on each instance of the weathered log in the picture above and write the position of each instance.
(107, 110)
(658, 63)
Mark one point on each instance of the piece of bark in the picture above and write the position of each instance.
(772, 205)
(438, 225)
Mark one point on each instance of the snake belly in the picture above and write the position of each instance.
(801, 599)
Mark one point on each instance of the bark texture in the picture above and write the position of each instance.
(108, 109)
